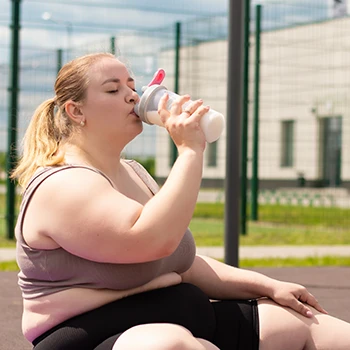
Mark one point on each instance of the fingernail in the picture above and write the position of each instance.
(309, 314)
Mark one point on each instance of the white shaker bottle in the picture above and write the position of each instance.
(212, 122)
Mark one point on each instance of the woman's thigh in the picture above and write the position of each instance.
(281, 327)
(284, 328)
(237, 328)
(183, 304)
(157, 337)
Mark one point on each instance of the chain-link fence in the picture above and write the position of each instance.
(303, 105)
(303, 114)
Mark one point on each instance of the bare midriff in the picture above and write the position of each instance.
(43, 313)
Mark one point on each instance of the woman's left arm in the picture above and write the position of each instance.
(220, 281)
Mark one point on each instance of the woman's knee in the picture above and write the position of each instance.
(157, 336)
(282, 327)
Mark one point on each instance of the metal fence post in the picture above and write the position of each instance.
(233, 137)
(245, 114)
(59, 59)
(255, 157)
(176, 81)
(112, 46)
(12, 120)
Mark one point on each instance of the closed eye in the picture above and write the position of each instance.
(112, 91)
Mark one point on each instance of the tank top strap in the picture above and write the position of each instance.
(41, 175)
(144, 175)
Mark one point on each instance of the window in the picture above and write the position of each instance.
(212, 154)
(287, 143)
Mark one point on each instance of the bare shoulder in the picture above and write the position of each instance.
(74, 208)
(69, 188)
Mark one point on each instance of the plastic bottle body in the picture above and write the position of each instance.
(212, 123)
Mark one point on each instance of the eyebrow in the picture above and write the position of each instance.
(115, 80)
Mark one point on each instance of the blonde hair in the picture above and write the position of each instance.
(50, 125)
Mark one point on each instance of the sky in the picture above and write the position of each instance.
(76, 23)
(112, 16)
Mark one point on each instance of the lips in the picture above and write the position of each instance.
(133, 113)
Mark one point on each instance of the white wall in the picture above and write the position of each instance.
(305, 76)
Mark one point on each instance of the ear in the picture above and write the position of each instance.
(74, 111)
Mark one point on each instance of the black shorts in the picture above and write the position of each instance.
(229, 324)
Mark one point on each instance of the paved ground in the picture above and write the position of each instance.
(331, 285)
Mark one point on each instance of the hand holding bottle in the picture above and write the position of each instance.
(212, 122)
(183, 125)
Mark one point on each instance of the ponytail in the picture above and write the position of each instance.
(50, 126)
(40, 143)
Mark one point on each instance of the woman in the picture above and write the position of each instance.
(106, 259)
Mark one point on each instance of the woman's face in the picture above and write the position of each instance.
(108, 107)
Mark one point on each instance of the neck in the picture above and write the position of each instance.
(108, 161)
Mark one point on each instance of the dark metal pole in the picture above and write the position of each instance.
(59, 59)
(112, 45)
(176, 81)
(233, 137)
(245, 117)
(12, 120)
(255, 164)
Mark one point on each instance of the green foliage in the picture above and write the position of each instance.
(2, 161)
(149, 164)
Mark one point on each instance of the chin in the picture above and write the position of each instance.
(135, 130)
(140, 126)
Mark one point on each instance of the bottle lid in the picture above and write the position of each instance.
(158, 77)
(141, 108)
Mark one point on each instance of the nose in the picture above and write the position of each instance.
(133, 97)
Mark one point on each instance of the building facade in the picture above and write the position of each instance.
(304, 121)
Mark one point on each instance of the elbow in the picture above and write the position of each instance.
(168, 248)
(144, 248)
(161, 251)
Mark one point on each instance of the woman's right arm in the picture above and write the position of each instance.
(90, 219)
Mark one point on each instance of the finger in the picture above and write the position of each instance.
(301, 308)
(192, 107)
(198, 114)
(312, 301)
(176, 106)
(162, 110)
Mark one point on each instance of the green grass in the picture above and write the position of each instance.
(3, 241)
(283, 214)
(210, 232)
(277, 225)
(6, 243)
(8, 266)
(293, 262)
